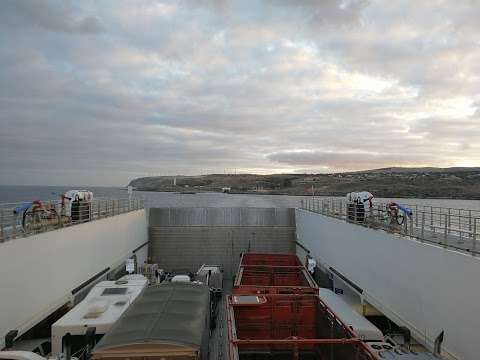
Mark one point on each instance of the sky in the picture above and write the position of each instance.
(101, 92)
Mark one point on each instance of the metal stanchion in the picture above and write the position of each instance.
(449, 220)
(422, 236)
(14, 226)
(416, 215)
(470, 220)
(445, 235)
(474, 237)
(431, 216)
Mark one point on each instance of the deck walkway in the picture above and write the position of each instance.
(15, 223)
(219, 337)
(453, 229)
(465, 244)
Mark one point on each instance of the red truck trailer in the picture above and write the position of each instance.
(270, 259)
(278, 327)
(273, 274)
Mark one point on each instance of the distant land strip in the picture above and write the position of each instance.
(443, 183)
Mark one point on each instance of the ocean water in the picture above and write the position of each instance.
(15, 193)
(159, 199)
(9, 194)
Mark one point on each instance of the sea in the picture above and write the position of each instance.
(16, 194)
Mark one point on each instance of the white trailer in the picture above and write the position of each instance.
(100, 309)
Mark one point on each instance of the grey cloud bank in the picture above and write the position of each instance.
(101, 92)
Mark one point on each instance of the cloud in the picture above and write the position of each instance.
(327, 11)
(172, 87)
(351, 160)
(57, 16)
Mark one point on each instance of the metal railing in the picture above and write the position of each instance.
(52, 215)
(457, 229)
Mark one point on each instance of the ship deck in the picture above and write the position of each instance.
(454, 229)
(219, 336)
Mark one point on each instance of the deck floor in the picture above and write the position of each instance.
(464, 244)
(219, 336)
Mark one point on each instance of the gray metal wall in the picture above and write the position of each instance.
(185, 238)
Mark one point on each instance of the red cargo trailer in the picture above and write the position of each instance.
(278, 327)
(274, 280)
(270, 259)
(273, 274)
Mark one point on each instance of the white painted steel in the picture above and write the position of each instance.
(40, 271)
(364, 328)
(454, 225)
(79, 319)
(53, 215)
(416, 284)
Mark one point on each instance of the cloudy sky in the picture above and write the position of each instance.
(99, 92)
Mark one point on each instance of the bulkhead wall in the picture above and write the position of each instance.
(186, 238)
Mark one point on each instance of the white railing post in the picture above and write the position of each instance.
(460, 220)
(449, 220)
(470, 221)
(431, 216)
(445, 235)
(97, 207)
(14, 226)
(474, 237)
(411, 226)
(59, 219)
(416, 215)
(422, 236)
